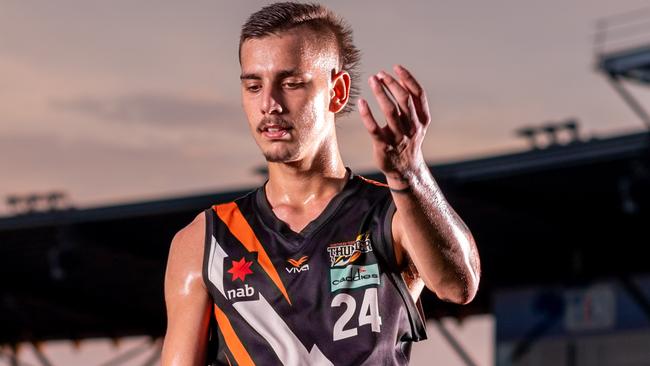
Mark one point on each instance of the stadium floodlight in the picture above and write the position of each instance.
(552, 131)
(571, 125)
(529, 133)
(37, 202)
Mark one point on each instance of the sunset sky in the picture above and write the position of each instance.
(120, 101)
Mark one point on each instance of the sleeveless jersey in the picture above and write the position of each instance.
(329, 295)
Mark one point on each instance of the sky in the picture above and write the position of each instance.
(124, 101)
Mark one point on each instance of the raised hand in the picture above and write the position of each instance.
(397, 145)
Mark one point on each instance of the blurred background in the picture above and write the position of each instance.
(121, 120)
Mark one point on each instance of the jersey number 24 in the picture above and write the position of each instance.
(368, 314)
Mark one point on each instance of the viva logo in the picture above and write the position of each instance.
(298, 265)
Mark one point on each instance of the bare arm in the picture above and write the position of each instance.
(187, 299)
(425, 225)
(436, 240)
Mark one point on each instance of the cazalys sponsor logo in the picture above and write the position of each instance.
(354, 276)
(342, 254)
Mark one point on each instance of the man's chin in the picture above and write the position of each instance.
(279, 156)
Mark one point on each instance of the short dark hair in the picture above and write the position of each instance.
(283, 16)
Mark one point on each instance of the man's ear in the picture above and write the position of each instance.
(340, 92)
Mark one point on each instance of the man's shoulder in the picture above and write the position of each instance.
(190, 237)
(239, 199)
(186, 252)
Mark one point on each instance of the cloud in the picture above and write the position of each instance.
(152, 108)
(92, 171)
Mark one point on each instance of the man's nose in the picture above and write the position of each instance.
(271, 101)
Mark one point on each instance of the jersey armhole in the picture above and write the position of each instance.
(207, 245)
(415, 311)
(212, 346)
(387, 235)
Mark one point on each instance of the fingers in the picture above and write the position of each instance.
(403, 99)
(387, 106)
(369, 121)
(415, 89)
(400, 93)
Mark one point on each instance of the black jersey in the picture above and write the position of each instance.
(329, 295)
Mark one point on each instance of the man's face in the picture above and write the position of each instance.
(286, 83)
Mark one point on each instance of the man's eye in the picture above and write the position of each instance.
(293, 85)
(253, 88)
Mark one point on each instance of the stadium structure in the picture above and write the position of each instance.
(561, 229)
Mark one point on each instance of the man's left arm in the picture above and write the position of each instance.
(435, 238)
(426, 228)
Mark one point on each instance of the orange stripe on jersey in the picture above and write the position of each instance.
(232, 341)
(373, 181)
(229, 213)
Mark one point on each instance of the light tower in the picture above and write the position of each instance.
(622, 47)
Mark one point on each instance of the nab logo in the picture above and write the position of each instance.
(239, 270)
(247, 291)
(298, 265)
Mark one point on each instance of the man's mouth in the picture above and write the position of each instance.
(274, 132)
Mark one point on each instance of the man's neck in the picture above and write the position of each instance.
(306, 182)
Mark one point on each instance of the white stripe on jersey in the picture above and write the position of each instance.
(291, 352)
(261, 316)
(215, 269)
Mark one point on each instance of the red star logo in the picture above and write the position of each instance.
(240, 269)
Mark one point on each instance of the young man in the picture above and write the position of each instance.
(318, 266)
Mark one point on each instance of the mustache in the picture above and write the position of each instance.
(273, 121)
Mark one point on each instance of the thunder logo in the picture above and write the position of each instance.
(342, 254)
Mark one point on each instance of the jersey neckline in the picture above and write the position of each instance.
(273, 222)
